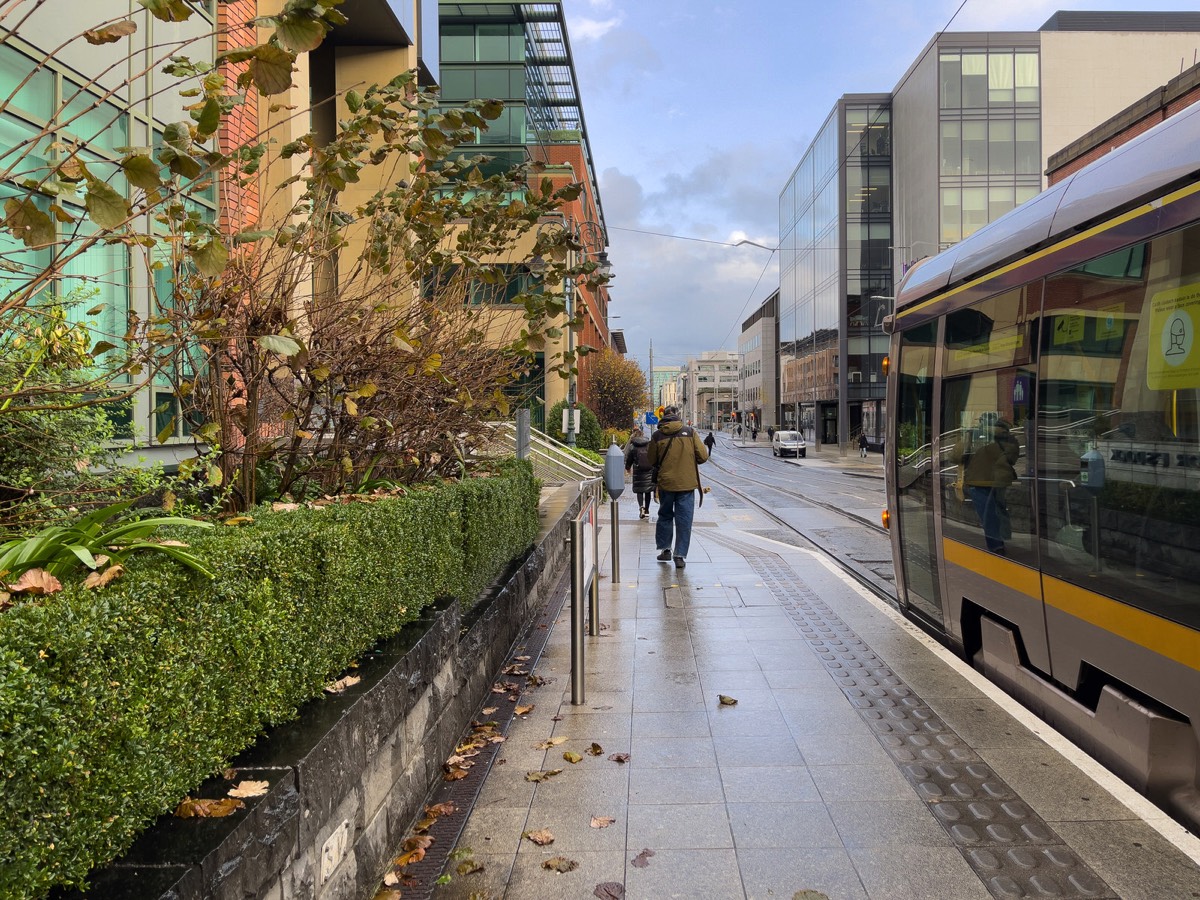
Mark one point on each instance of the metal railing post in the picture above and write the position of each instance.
(615, 519)
(522, 434)
(578, 577)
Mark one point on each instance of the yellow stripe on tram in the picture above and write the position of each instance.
(997, 568)
(1128, 216)
(1164, 637)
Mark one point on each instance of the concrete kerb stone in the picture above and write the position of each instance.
(349, 777)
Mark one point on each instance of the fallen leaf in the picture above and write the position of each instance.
(250, 789)
(468, 867)
(553, 742)
(100, 579)
(515, 669)
(407, 859)
(619, 757)
(417, 842)
(541, 837)
(391, 879)
(602, 821)
(165, 544)
(572, 757)
(37, 582)
(521, 658)
(455, 774)
(208, 809)
(441, 809)
(384, 894)
(560, 864)
(240, 520)
(488, 710)
(537, 777)
(642, 859)
(595, 750)
(523, 710)
(726, 701)
(610, 890)
(342, 683)
(809, 895)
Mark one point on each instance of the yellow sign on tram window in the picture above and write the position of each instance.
(1173, 362)
(1068, 329)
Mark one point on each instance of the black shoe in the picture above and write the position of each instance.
(680, 562)
(643, 513)
(664, 555)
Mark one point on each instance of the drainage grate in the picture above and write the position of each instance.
(1012, 850)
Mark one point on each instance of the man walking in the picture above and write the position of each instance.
(709, 441)
(677, 451)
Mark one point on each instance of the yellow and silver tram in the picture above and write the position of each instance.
(1044, 456)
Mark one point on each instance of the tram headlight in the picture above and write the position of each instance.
(886, 518)
(886, 364)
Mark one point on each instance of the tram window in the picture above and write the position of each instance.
(991, 333)
(1116, 381)
(986, 491)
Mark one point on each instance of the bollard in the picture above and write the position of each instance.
(614, 483)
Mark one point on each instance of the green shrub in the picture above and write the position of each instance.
(115, 703)
(590, 436)
(619, 435)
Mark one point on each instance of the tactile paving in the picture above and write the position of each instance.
(1012, 850)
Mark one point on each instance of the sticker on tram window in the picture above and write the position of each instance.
(1068, 330)
(1111, 324)
(1174, 362)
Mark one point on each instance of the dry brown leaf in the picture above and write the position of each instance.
(36, 582)
(572, 757)
(726, 701)
(619, 757)
(455, 774)
(523, 710)
(417, 842)
(172, 544)
(488, 710)
(385, 894)
(441, 809)
(250, 789)
(536, 777)
(391, 879)
(541, 837)
(342, 683)
(100, 579)
(208, 809)
(610, 890)
(642, 859)
(560, 864)
(111, 33)
(594, 750)
(521, 658)
(553, 742)
(602, 821)
(468, 867)
(284, 507)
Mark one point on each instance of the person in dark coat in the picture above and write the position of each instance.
(709, 441)
(637, 461)
(863, 444)
(677, 451)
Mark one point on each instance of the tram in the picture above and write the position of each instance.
(1043, 467)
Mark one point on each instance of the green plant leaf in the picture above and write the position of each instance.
(178, 135)
(105, 206)
(300, 33)
(209, 119)
(27, 223)
(211, 258)
(142, 172)
(271, 69)
(167, 432)
(102, 347)
(168, 10)
(278, 343)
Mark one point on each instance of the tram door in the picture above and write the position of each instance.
(915, 474)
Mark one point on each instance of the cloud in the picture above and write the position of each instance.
(584, 30)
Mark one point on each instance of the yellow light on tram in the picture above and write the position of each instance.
(886, 518)
(886, 364)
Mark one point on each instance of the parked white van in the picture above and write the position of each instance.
(788, 443)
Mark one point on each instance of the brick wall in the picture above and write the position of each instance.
(239, 204)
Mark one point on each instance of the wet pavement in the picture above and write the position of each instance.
(858, 761)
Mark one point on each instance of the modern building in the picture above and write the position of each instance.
(520, 53)
(757, 401)
(661, 376)
(707, 386)
(891, 178)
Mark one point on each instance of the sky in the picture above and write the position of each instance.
(699, 110)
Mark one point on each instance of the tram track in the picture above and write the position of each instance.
(862, 575)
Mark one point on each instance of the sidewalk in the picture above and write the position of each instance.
(825, 455)
(855, 763)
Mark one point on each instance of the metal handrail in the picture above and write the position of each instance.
(553, 462)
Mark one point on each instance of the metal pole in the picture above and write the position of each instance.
(577, 582)
(594, 595)
(615, 518)
(522, 434)
(570, 287)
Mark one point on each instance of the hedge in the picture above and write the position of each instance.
(115, 703)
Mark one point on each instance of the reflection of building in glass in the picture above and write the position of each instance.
(892, 178)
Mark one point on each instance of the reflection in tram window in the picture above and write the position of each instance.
(1119, 426)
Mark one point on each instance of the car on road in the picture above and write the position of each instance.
(788, 443)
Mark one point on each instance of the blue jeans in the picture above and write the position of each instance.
(993, 514)
(675, 510)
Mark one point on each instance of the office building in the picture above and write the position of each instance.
(890, 178)
(758, 357)
(707, 386)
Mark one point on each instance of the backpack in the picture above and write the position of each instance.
(642, 456)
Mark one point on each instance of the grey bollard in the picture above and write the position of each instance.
(614, 483)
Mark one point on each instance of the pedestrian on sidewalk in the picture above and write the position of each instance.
(863, 443)
(676, 452)
(709, 441)
(637, 461)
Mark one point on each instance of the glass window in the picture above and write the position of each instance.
(99, 277)
(458, 84)
(974, 80)
(974, 210)
(974, 148)
(1026, 78)
(1028, 153)
(1000, 78)
(1000, 146)
(104, 128)
(1026, 192)
(1119, 382)
(458, 43)
(493, 43)
(951, 215)
(14, 253)
(493, 82)
(989, 334)
(1001, 199)
(31, 160)
(36, 98)
(951, 148)
(950, 72)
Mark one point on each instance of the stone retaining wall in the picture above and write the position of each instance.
(348, 777)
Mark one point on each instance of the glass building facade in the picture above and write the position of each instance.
(835, 231)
